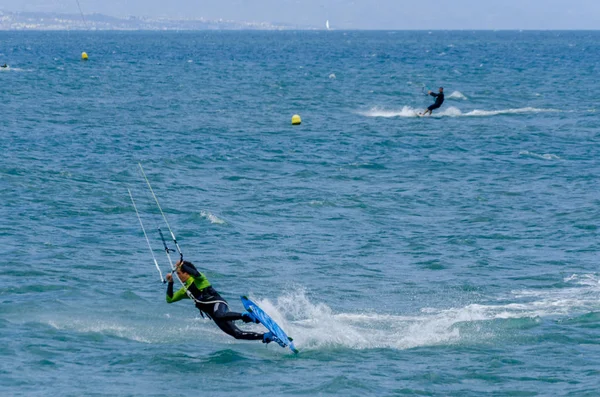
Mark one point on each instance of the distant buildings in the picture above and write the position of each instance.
(53, 21)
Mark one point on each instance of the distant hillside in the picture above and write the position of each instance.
(53, 21)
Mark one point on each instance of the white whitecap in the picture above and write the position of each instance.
(457, 95)
(545, 156)
(212, 218)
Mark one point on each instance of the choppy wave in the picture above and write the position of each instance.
(451, 111)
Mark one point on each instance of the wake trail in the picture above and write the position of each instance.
(316, 326)
(407, 111)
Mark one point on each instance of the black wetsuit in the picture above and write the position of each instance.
(439, 99)
(209, 302)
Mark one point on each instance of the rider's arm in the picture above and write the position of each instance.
(179, 295)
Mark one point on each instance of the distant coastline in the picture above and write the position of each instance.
(20, 21)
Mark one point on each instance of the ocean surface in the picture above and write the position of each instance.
(455, 255)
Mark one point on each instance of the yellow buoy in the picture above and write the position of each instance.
(84, 56)
(296, 120)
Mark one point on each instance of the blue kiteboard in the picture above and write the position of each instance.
(282, 339)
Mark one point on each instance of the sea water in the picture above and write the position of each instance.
(454, 255)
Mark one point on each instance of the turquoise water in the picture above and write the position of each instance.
(454, 255)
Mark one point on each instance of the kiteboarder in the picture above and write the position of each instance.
(197, 287)
(439, 99)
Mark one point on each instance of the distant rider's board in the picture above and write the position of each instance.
(282, 339)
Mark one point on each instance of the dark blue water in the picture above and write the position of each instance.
(454, 255)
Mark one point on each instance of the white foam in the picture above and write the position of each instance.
(583, 295)
(11, 69)
(212, 218)
(545, 156)
(317, 326)
(406, 111)
(591, 280)
(477, 112)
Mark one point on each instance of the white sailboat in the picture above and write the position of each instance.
(327, 24)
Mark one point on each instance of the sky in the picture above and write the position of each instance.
(348, 14)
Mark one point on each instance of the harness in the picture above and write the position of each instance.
(205, 296)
